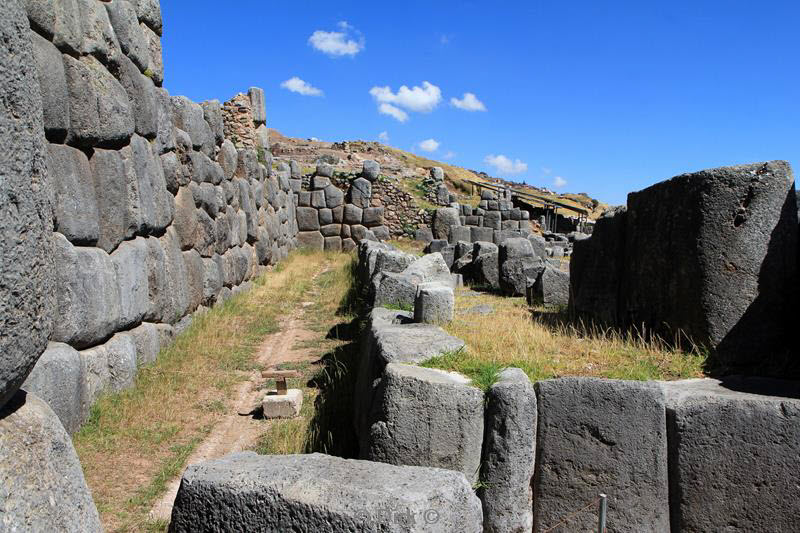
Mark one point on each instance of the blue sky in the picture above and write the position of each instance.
(598, 97)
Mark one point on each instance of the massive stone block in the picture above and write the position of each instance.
(550, 289)
(99, 108)
(312, 240)
(596, 270)
(126, 26)
(53, 86)
(142, 96)
(59, 379)
(710, 255)
(188, 116)
(734, 454)
(147, 338)
(165, 137)
(99, 38)
(258, 105)
(601, 436)
(44, 488)
(307, 219)
(517, 274)
(360, 193)
(246, 491)
(149, 12)
(434, 303)
(444, 218)
(72, 194)
(212, 112)
(426, 417)
(58, 20)
(509, 452)
(155, 203)
(130, 268)
(155, 66)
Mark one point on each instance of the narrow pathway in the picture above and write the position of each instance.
(239, 430)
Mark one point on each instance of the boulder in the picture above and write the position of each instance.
(481, 234)
(550, 289)
(195, 278)
(515, 248)
(493, 220)
(155, 65)
(381, 232)
(370, 170)
(147, 338)
(437, 174)
(324, 170)
(189, 117)
(331, 230)
(424, 235)
(326, 494)
(334, 197)
(427, 417)
(44, 488)
(459, 233)
(58, 379)
(53, 86)
(486, 270)
(166, 135)
(72, 194)
(99, 108)
(480, 248)
(155, 203)
(212, 112)
(442, 194)
(518, 273)
(509, 451)
(434, 303)
(734, 450)
(601, 436)
(443, 220)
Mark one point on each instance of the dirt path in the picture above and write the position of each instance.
(239, 429)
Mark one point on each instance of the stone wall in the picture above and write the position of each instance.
(691, 455)
(161, 207)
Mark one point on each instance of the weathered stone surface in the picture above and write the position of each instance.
(142, 96)
(59, 21)
(320, 182)
(430, 267)
(372, 216)
(486, 270)
(166, 135)
(481, 234)
(53, 86)
(229, 158)
(348, 245)
(370, 170)
(213, 280)
(324, 169)
(121, 356)
(87, 295)
(149, 12)
(307, 219)
(437, 174)
(147, 339)
(318, 199)
(311, 239)
(360, 193)
(427, 417)
(245, 491)
(434, 303)
(152, 200)
(99, 108)
(325, 217)
(444, 218)
(509, 451)
(331, 230)
(596, 270)
(333, 244)
(130, 271)
(709, 255)
(334, 197)
(72, 194)
(58, 379)
(551, 288)
(188, 116)
(195, 278)
(601, 436)
(352, 214)
(155, 65)
(459, 233)
(733, 453)
(99, 38)
(44, 488)
(424, 235)
(169, 285)
(518, 273)
(258, 105)
(514, 248)
(212, 112)
(123, 19)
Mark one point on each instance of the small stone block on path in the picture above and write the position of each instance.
(282, 405)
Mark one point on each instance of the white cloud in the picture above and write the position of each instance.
(449, 155)
(420, 99)
(392, 111)
(504, 165)
(546, 171)
(429, 145)
(296, 85)
(559, 182)
(469, 102)
(383, 136)
(347, 42)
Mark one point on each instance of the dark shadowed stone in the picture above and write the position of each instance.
(509, 449)
(424, 235)
(486, 270)
(518, 273)
(426, 417)
(601, 436)
(58, 379)
(72, 194)
(58, 20)
(550, 289)
(122, 15)
(53, 85)
(459, 233)
(142, 96)
(710, 255)
(481, 234)
(99, 108)
(44, 488)
(333, 244)
(246, 491)
(734, 451)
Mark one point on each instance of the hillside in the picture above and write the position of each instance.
(410, 168)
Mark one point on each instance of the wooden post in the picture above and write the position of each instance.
(280, 378)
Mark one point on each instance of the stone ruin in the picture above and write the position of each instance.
(126, 211)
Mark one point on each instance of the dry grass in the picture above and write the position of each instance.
(545, 347)
(409, 245)
(137, 440)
